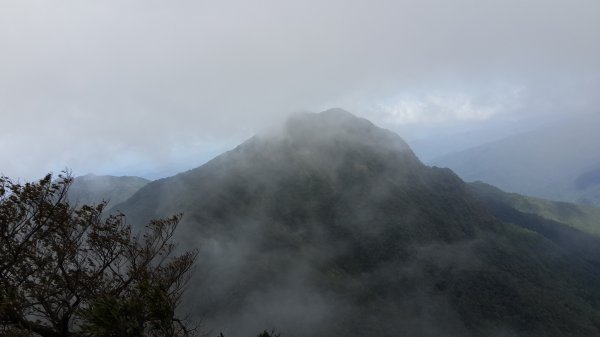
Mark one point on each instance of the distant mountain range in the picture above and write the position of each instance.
(559, 162)
(333, 227)
(93, 189)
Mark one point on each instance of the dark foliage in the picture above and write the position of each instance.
(67, 271)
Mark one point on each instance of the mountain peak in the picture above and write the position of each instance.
(340, 126)
(331, 117)
(337, 112)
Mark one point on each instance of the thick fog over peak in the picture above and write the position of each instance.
(152, 88)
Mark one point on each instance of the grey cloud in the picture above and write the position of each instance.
(86, 84)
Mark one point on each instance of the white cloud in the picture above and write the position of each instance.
(436, 109)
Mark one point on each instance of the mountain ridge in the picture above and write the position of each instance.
(539, 163)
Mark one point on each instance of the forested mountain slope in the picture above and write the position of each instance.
(331, 226)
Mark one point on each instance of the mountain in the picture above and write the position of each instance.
(93, 189)
(559, 162)
(331, 226)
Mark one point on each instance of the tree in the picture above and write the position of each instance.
(72, 271)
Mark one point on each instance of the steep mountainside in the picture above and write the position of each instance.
(92, 189)
(558, 162)
(333, 227)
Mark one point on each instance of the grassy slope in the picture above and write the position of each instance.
(582, 217)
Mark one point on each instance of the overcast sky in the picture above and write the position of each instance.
(153, 87)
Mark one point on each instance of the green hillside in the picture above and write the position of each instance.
(582, 217)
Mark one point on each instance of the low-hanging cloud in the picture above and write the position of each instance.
(115, 85)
